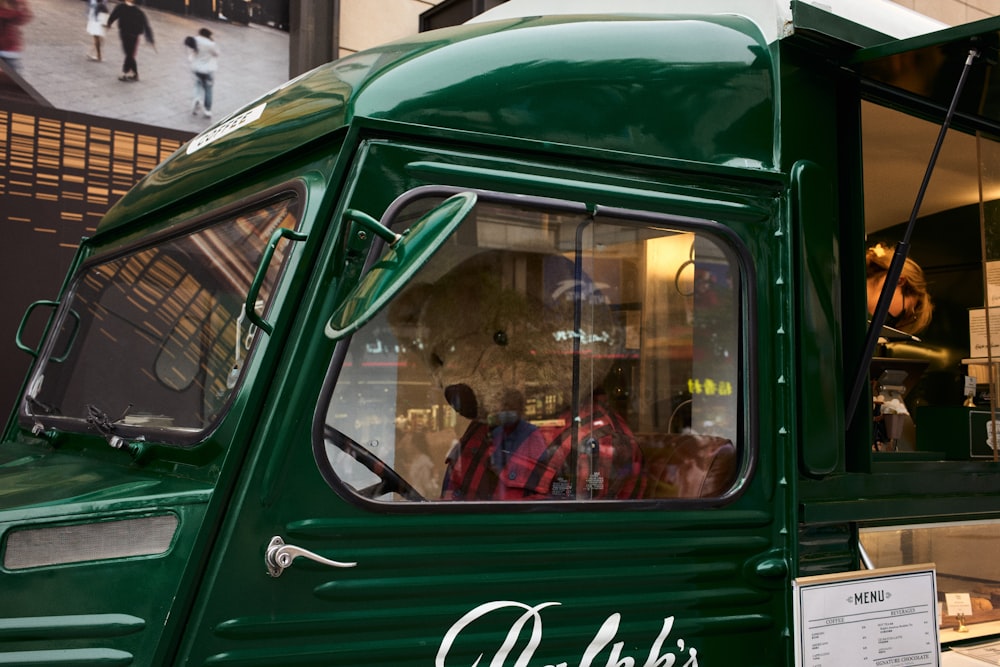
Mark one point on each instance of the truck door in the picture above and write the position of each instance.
(527, 437)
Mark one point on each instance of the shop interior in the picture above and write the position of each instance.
(934, 386)
(946, 376)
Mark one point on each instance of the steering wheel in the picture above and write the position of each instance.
(390, 481)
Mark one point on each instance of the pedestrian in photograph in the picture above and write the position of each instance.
(13, 14)
(203, 54)
(97, 17)
(132, 24)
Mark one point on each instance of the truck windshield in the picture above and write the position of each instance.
(156, 338)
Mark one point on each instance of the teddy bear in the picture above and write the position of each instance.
(520, 344)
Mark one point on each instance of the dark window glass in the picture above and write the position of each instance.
(157, 338)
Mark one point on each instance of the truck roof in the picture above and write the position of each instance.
(774, 18)
(699, 89)
(657, 77)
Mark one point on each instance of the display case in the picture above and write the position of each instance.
(965, 555)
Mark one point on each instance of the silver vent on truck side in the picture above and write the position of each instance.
(58, 545)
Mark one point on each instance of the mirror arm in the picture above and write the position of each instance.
(374, 226)
(407, 254)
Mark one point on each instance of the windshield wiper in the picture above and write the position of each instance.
(40, 407)
(100, 421)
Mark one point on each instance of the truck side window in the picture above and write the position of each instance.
(156, 338)
(547, 354)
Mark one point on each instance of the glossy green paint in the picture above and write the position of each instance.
(691, 90)
(63, 479)
(670, 562)
(36, 470)
(819, 346)
(715, 573)
(87, 613)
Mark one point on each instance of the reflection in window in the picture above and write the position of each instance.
(548, 355)
(157, 337)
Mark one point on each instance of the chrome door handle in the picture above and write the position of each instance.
(280, 555)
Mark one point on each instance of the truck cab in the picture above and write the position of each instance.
(540, 340)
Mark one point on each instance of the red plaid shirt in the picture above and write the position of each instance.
(522, 461)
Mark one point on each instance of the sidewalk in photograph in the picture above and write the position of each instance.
(254, 60)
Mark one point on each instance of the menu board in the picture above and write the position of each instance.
(872, 618)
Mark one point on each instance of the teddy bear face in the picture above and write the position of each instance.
(500, 331)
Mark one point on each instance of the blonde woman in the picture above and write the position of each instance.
(911, 306)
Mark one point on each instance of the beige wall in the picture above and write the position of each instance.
(367, 23)
(954, 12)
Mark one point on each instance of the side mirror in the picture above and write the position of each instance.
(407, 253)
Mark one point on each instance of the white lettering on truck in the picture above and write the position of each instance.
(604, 637)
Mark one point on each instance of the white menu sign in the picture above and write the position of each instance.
(872, 618)
(993, 283)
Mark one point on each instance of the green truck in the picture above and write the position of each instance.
(542, 340)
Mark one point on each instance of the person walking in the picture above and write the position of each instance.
(13, 14)
(97, 17)
(203, 54)
(132, 24)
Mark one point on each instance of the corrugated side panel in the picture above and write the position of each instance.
(569, 578)
(97, 588)
(77, 636)
(826, 549)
